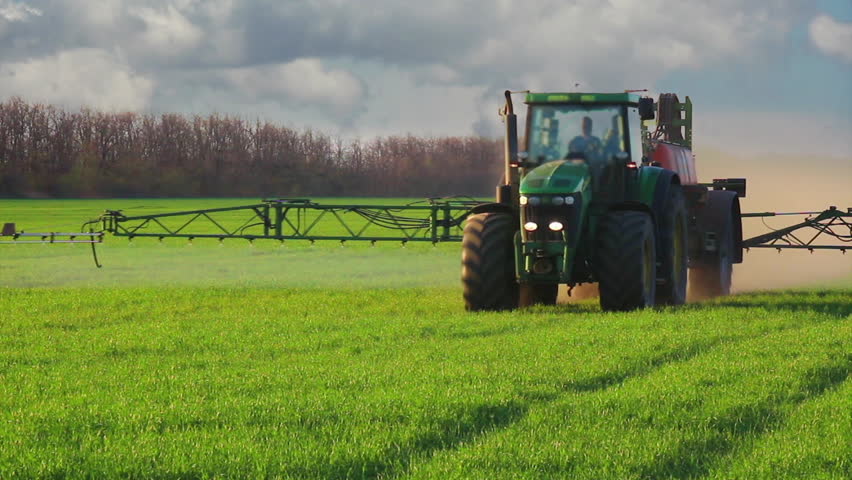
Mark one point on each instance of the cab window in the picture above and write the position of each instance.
(582, 133)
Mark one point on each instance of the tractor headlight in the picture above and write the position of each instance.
(530, 226)
(557, 201)
(523, 200)
(556, 226)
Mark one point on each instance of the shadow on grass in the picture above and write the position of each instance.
(683, 354)
(640, 368)
(696, 458)
(836, 303)
(519, 321)
(445, 434)
(688, 460)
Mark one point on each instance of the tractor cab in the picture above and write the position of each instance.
(581, 133)
(592, 135)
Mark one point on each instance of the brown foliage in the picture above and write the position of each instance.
(46, 151)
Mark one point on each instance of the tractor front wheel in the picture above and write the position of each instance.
(625, 261)
(488, 262)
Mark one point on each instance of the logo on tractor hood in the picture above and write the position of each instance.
(561, 176)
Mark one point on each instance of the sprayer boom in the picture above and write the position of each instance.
(821, 226)
(432, 220)
(15, 237)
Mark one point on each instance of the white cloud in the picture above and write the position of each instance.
(80, 77)
(303, 81)
(832, 37)
(17, 12)
(597, 42)
(167, 33)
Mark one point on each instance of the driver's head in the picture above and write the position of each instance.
(587, 126)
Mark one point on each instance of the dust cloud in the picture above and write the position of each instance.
(785, 184)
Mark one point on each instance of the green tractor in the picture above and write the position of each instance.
(597, 197)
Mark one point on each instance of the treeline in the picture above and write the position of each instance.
(51, 152)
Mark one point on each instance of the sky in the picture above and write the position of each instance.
(769, 76)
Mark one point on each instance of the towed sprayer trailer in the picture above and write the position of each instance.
(594, 196)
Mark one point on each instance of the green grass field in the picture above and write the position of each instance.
(208, 361)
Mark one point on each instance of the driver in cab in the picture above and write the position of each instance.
(585, 143)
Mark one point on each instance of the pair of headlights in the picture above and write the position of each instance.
(554, 226)
(536, 201)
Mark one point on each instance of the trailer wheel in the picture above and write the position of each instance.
(625, 261)
(673, 250)
(712, 278)
(532, 294)
(488, 262)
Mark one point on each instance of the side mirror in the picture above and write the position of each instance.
(646, 108)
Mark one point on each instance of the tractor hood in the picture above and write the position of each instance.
(559, 177)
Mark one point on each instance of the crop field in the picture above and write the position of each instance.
(202, 360)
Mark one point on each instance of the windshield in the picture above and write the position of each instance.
(583, 133)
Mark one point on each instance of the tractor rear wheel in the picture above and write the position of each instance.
(673, 250)
(625, 261)
(532, 294)
(712, 278)
(488, 262)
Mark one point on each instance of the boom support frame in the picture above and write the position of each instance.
(435, 220)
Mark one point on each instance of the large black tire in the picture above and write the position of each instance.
(712, 278)
(488, 262)
(626, 261)
(672, 250)
(531, 294)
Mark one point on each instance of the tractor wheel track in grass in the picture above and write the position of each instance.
(484, 420)
(728, 433)
(752, 421)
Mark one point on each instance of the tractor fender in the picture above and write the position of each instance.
(722, 206)
(493, 208)
(656, 193)
(659, 197)
(654, 188)
(662, 188)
